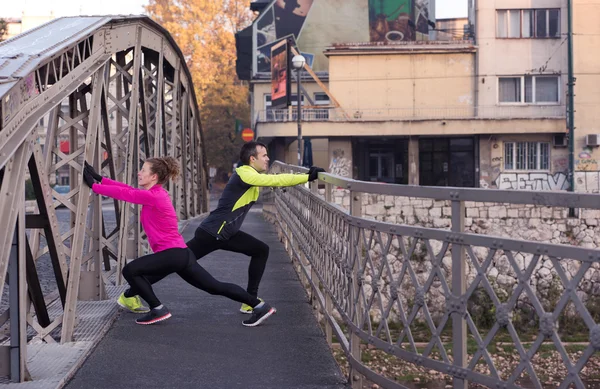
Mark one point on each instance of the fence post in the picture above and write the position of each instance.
(459, 304)
(356, 210)
(328, 188)
(328, 302)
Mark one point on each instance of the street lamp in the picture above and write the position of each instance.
(298, 63)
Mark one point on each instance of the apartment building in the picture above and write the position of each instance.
(415, 108)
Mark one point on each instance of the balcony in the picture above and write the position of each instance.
(413, 114)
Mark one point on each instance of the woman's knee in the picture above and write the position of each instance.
(126, 272)
(215, 288)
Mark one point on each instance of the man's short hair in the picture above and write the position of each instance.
(250, 150)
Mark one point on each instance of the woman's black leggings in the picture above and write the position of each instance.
(183, 262)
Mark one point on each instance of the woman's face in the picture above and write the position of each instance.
(146, 178)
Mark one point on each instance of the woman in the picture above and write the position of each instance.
(171, 254)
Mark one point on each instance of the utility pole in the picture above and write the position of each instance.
(570, 98)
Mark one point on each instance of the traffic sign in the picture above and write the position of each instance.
(247, 134)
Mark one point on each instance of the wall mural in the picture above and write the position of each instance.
(422, 19)
(389, 20)
(398, 20)
(532, 181)
(282, 19)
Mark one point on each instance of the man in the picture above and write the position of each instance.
(221, 229)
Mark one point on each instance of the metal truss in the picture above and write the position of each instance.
(116, 91)
(354, 267)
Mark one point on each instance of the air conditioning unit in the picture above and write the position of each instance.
(559, 140)
(592, 140)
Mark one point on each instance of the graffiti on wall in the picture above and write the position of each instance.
(340, 165)
(585, 161)
(532, 181)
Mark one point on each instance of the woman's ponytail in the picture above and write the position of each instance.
(165, 168)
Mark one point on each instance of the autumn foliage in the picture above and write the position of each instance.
(204, 30)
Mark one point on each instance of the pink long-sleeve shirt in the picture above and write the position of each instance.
(158, 216)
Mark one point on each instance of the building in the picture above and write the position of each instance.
(16, 26)
(406, 105)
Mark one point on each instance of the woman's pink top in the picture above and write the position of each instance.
(158, 216)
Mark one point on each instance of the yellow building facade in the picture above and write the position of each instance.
(486, 112)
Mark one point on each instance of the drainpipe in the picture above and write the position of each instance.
(570, 98)
(473, 25)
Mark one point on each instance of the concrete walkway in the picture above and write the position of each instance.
(204, 344)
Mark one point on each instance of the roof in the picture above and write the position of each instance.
(22, 54)
(403, 47)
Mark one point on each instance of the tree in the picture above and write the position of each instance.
(3, 29)
(204, 30)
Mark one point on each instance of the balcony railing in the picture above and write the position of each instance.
(429, 113)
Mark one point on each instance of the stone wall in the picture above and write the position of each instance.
(527, 222)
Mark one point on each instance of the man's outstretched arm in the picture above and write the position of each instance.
(254, 178)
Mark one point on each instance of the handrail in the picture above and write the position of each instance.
(376, 282)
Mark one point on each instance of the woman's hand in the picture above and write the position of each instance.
(90, 170)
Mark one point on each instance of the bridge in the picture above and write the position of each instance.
(454, 284)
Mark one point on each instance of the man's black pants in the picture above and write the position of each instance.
(204, 243)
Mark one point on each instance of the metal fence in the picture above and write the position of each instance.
(414, 113)
(354, 267)
(112, 91)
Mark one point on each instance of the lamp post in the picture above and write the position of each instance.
(298, 63)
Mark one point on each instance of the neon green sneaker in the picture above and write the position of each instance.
(247, 308)
(133, 304)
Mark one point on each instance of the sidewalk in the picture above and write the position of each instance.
(204, 344)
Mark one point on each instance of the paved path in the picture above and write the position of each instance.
(204, 344)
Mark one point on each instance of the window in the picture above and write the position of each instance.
(321, 99)
(529, 89)
(526, 155)
(528, 23)
(510, 89)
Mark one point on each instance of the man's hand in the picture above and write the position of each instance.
(88, 178)
(90, 170)
(313, 172)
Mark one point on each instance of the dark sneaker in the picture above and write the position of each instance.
(259, 315)
(154, 316)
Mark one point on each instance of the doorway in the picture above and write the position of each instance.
(447, 162)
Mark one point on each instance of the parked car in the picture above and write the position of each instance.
(61, 189)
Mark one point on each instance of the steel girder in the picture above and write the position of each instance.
(114, 91)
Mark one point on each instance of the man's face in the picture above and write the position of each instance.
(261, 162)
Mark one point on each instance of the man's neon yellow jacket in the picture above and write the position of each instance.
(241, 192)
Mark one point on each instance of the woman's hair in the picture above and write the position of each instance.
(164, 167)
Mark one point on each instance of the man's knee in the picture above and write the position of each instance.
(263, 250)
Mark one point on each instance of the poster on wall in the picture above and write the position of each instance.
(280, 80)
(283, 18)
(263, 57)
(422, 19)
(290, 16)
(389, 20)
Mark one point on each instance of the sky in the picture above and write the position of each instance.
(12, 8)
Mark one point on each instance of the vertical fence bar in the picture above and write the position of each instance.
(459, 324)
(17, 347)
(356, 210)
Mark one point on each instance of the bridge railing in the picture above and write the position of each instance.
(437, 298)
